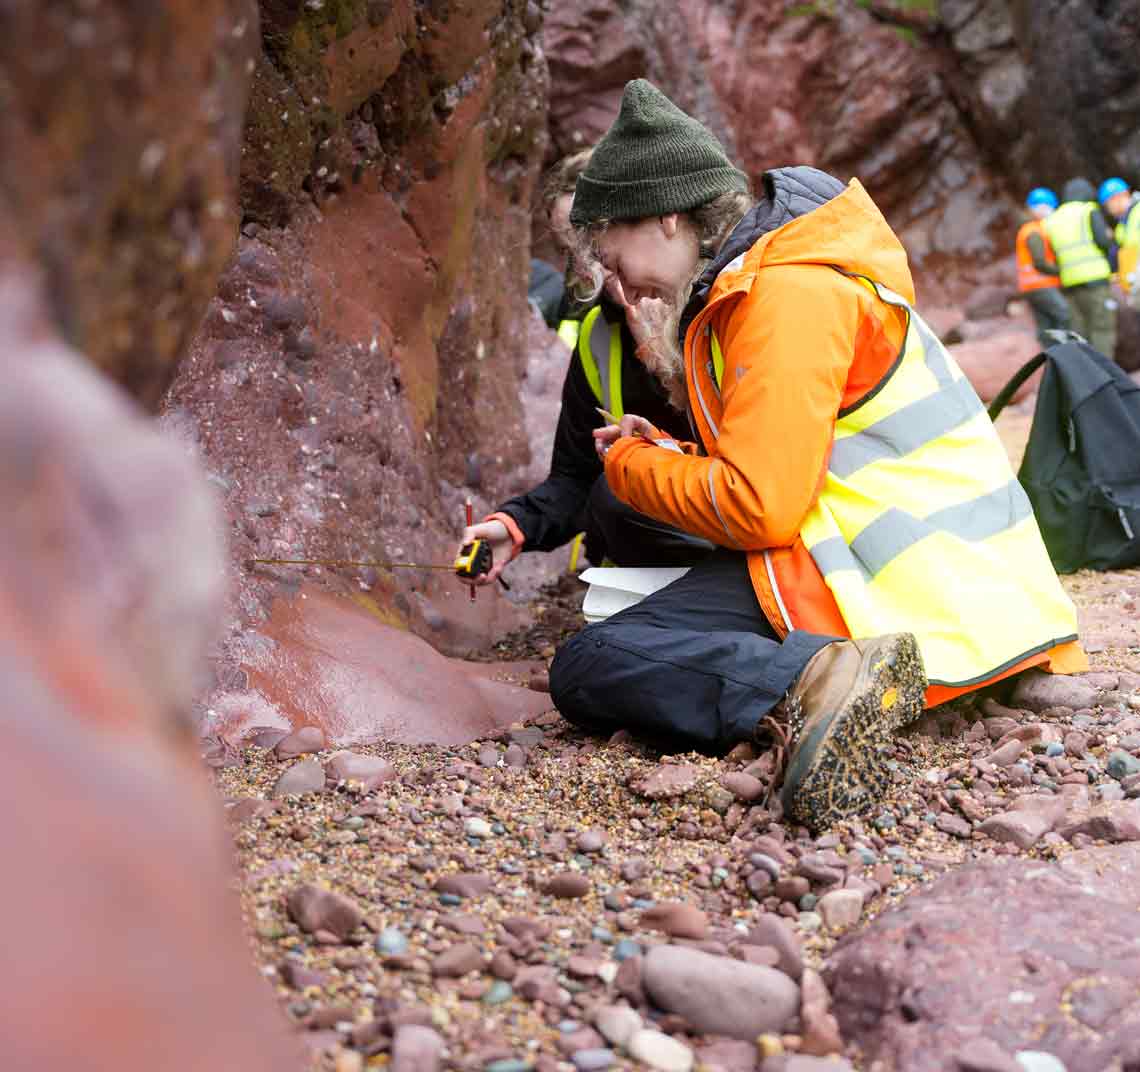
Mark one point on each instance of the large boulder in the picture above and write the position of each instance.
(1030, 955)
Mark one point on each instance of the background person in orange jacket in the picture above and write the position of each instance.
(1038, 276)
(875, 551)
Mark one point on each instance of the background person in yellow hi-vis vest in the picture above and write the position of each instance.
(1119, 202)
(604, 373)
(1083, 246)
(1038, 277)
(875, 553)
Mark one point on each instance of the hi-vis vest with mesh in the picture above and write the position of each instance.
(1128, 239)
(921, 526)
(599, 349)
(1028, 278)
(1070, 233)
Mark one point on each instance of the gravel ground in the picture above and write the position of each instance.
(491, 903)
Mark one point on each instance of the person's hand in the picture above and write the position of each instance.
(496, 534)
(630, 425)
(649, 319)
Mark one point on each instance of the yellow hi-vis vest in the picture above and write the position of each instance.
(599, 350)
(921, 526)
(1128, 239)
(1070, 233)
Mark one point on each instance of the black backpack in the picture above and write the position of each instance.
(1081, 469)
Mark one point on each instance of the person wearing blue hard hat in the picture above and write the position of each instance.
(1038, 277)
(1083, 246)
(1118, 200)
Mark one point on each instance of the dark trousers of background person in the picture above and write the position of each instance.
(1093, 310)
(1050, 312)
(617, 532)
(696, 662)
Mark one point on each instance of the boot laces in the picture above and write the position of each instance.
(782, 729)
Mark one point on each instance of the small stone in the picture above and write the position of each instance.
(300, 742)
(503, 965)
(508, 1064)
(1007, 754)
(953, 825)
(718, 995)
(1054, 749)
(591, 841)
(626, 948)
(1023, 829)
(677, 919)
(476, 827)
(668, 780)
(416, 1048)
(314, 908)
(1037, 1061)
(743, 786)
(593, 1060)
(1038, 691)
(307, 776)
(1121, 765)
(463, 885)
(841, 908)
(772, 931)
(985, 1055)
(498, 992)
(617, 1023)
(567, 884)
(660, 1051)
(368, 771)
(457, 961)
(391, 942)
(514, 756)
(810, 922)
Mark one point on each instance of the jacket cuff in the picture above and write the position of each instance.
(616, 464)
(517, 537)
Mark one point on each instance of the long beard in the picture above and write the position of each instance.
(661, 355)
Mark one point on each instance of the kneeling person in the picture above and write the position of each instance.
(875, 552)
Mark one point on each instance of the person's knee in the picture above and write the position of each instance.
(571, 671)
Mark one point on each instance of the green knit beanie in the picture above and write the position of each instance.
(653, 160)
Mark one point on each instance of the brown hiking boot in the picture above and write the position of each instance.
(841, 713)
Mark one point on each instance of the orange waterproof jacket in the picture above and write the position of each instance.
(801, 341)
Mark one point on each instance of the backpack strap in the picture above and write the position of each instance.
(1003, 396)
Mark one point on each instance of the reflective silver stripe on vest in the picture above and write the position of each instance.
(890, 534)
(600, 352)
(907, 428)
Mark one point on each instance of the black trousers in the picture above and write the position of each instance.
(616, 531)
(696, 662)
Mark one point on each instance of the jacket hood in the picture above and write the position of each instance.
(1078, 190)
(848, 232)
(785, 195)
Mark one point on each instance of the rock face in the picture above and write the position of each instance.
(947, 112)
(120, 137)
(358, 372)
(1049, 936)
(1049, 87)
(854, 89)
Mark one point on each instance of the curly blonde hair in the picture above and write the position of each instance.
(713, 222)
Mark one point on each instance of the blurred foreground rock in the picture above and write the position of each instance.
(1050, 951)
(127, 950)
